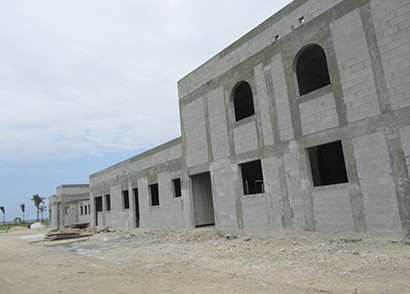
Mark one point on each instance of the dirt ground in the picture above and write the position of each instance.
(200, 261)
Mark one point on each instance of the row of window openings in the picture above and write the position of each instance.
(154, 193)
(85, 209)
(327, 166)
(312, 74)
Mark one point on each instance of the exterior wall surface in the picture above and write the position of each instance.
(135, 176)
(65, 206)
(365, 109)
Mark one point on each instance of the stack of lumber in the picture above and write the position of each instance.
(63, 235)
(67, 234)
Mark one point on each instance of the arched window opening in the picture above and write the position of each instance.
(311, 70)
(243, 101)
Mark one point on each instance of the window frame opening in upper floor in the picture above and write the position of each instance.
(312, 71)
(243, 101)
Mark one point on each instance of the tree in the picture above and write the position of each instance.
(37, 202)
(4, 213)
(42, 208)
(23, 209)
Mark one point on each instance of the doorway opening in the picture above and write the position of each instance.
(98, 207)
(137, 207)
(202, 200)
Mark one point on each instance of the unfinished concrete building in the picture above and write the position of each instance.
(302, 125)
(71, 204)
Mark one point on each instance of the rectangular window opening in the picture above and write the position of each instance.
(108, 202)
(252, 177)
(327, 164)
(98, 204)
(177, 187)
(154, 194)
(82, 210)
(126, 199)
(85, 209)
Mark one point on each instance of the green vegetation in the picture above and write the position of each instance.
(3, 210)
(37, 203)
(23, 209)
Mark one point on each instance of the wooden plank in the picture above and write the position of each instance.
(65, 243)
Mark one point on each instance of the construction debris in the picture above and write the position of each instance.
(63, 235)
(66, 243)
(68, 234)
(106, 229)
(78, 225)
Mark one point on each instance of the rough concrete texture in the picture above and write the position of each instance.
(71, 204)
(365, 107)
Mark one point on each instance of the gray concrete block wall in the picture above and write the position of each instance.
(356, 72)
(52, 209)
(332, 209)
(245, 137)
(318, 114)
(70, 213)
(369, 71)
(405, 141)
(156, 156)
(255, 214)
(294, 187)
(159, 165)
(218, 125)
(73, 190)
(379, 197)
(276, 193)
(69, 197)
(392, 25)
(280, 91)
(85, 217)
(264, 106)
(225, 190)
(194, 130)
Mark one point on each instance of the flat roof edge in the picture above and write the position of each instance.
(146, 153)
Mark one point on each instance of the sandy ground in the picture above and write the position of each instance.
(201, 261)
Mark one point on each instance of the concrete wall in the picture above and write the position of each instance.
(365, 107)
(65, 206)
(157, 166)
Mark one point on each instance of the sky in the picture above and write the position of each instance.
(85, 84)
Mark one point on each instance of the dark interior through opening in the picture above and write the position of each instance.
(177, 188)
(327, 164)
(126, 198)
(311, 70)
(243, 101)
(108, 202)
(252, 177)
(154, 194)
(137, 207)
(98, 204)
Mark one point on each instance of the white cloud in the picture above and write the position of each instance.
(85, 77)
